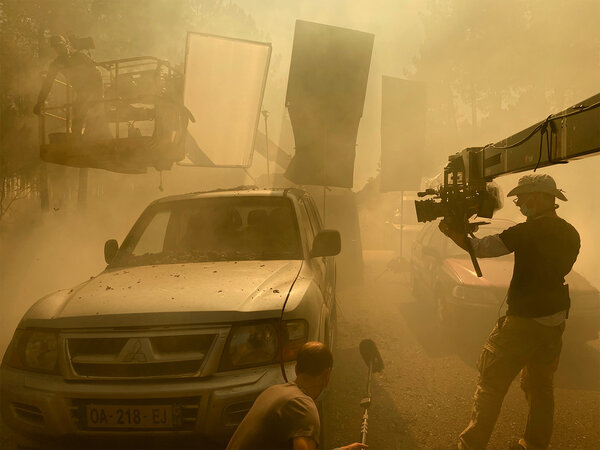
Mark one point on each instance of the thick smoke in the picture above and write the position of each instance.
(491, 69)
(435, 42)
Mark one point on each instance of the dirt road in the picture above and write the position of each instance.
(422, 400)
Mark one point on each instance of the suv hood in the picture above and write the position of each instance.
(208, 288)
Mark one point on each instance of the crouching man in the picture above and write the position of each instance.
(285, 416)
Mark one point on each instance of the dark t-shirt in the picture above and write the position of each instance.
(281, 413)
(545, 250)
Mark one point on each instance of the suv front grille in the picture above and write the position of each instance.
(139, 355)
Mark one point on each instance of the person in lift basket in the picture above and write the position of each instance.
(529, 338)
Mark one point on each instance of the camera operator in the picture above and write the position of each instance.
(529, 337)
(285, 416)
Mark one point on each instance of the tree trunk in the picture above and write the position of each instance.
(43, 172)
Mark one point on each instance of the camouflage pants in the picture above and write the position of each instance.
(516, 344)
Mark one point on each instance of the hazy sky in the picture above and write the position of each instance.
(77, 239)
(399, 33)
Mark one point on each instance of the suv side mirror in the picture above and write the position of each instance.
(111, 247)
(326, 243)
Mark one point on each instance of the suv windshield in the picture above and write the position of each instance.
(213, 229)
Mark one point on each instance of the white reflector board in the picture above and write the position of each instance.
(224, 85)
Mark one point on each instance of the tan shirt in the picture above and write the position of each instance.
(280, 414)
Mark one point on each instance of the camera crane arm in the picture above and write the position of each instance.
(570, 134)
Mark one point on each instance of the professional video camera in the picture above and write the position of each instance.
(465, 191)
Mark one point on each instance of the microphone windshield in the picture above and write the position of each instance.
(369, 353)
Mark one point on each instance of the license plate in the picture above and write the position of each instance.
(131, 416)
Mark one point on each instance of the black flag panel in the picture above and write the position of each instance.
(325, 97)
(403, 114)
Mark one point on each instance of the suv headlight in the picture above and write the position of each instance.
(257, 344)
(474, 295)
(35, 350)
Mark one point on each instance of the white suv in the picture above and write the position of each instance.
(202, 307)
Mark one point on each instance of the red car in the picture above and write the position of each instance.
(442, 273)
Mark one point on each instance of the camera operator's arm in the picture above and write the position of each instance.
(486, 247)
(489, 246)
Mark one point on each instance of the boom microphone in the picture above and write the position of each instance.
(370, 354)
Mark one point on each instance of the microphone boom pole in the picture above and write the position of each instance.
(372, 358)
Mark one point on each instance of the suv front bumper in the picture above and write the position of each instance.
(38, 406)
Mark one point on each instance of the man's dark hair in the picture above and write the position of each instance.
(313, 358)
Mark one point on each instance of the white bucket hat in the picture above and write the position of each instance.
(537, 183)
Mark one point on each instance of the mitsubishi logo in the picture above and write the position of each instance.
(136, 350)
